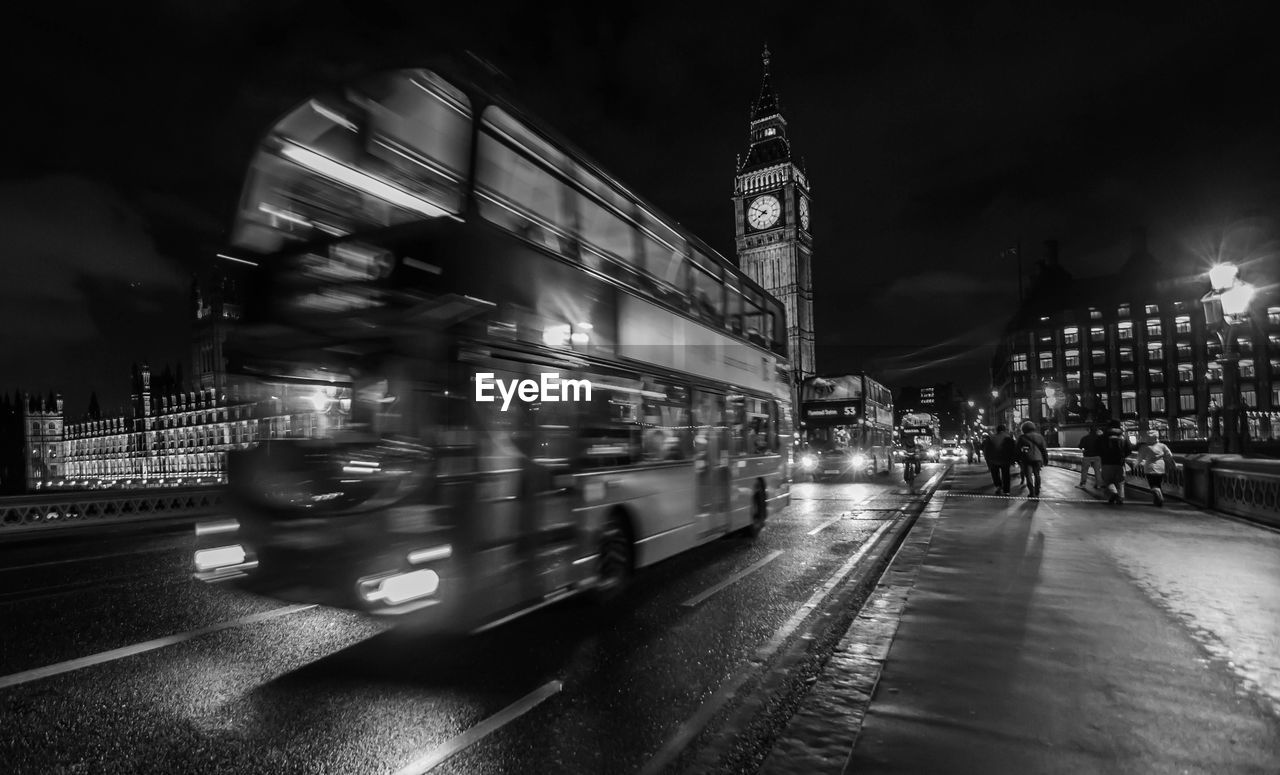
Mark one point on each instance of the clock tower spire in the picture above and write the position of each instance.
(771, 219)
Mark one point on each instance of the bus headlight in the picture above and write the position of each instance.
(400, 587)
(221, 557)
(859, 460)
(808, 462)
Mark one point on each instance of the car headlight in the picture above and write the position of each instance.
(808, 462)
(859, 460)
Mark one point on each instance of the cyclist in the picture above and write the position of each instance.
(912, 456)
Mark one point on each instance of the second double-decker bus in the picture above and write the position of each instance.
(920, 430)
(846, 427)
(505, 377)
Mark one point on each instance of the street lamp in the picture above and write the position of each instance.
(1226, 307)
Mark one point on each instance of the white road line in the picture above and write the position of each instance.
(694, 725)
(696, 599)
(824, 526)
(784, 632)
(39, 673)
(490, 725)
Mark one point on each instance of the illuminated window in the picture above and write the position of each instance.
(1073, 380)
(1046, 361)
(1152, 309)
(1273, 316)
(1184, 351)
(1157, 402)
(1213, 371)
(1020, 362)
(1185, 373)
(1097, 334)
(1246, 345)
(1095, 314)
(1155, 351)
(1126, 378)
(1099, 379)
(1215, 396)
(1126, 355)
(1070, 335)
(1125, 329)
(1129, 402)
(1022, 408)
(1187, 401)
(1123, 311)
(1182, 324)
(1098, 357)
(1246, 368)
(1249, 398)
(1154, 328)
(1071, 358)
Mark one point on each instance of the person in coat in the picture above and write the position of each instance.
(1114, 449)
(1089, 457)
(1033, 453)
(1000, 452)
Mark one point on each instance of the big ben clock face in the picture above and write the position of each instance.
(763, 211)
(804, 212)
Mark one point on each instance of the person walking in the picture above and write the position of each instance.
(999, 450)
(1033, 453)
(1155, 459)
(1089, 457)
(1113, 450)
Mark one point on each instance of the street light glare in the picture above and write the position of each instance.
(1221, 276)
(1235, 300)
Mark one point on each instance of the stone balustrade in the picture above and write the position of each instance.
(1244, 487)
(26, 513)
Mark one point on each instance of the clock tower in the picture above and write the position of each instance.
(771, 219)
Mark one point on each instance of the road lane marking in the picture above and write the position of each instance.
(696, 599)
(824, 526)
(784, 632)
(487, 727)
(39, 673)
(693, 726)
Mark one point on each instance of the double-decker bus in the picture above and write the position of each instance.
(502, 377)
(920, 429)
(846, 427)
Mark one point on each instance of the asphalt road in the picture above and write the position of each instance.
(113, 660)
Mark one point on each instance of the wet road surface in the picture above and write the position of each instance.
(113, 660)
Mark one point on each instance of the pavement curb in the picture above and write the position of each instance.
(823, 731)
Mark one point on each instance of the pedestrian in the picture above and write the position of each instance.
(968, 447)
(1156, 459)
(999, 450)
(1033, 453)
(1113, 450)
(1089, 457)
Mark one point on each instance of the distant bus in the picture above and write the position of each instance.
(920, 429)
(846, 425)
(417, 242)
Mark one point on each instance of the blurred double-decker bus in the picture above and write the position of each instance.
(845, 427)
(504, 377)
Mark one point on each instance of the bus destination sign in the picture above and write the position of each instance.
(830, 412)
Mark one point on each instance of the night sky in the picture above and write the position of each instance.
(932, 138)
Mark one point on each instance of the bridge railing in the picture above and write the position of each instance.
(24, 514)
(1244, 487)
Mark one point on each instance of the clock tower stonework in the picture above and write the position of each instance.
(771, 219)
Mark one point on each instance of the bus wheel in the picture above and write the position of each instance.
(759, 512)
(614, 568)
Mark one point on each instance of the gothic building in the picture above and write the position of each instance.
(772, 213)
(175, 432)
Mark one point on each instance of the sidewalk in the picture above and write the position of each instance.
(1061, 635)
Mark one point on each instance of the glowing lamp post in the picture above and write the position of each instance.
(1226, 307)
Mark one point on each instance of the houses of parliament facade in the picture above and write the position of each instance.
(173, 433)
